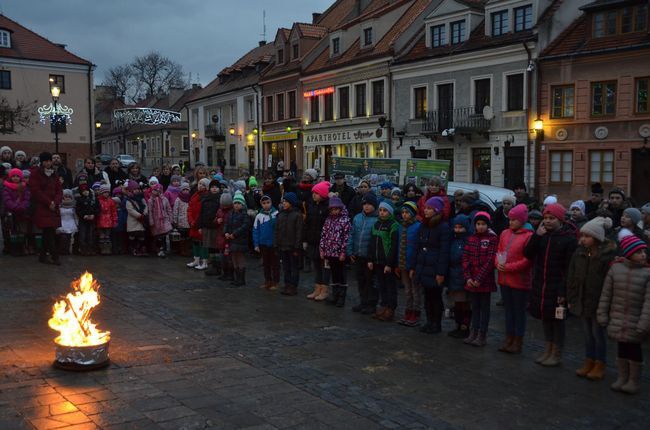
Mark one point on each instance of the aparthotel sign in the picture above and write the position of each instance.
(334, 137)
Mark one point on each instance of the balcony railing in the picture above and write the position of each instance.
(463, 120)
(215, 133)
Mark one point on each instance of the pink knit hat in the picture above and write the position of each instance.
(322, 189)
(519, 213)
(15, 172)
(557, 210)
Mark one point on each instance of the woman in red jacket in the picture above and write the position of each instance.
(46, 197)
(435, 188)
(514, 277)
(193, 214)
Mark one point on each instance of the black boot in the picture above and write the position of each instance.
(215, 269)
(340, 300)
(228, 274)
(333, 298)
(235, 280)
(242, 277)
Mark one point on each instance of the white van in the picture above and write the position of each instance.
(488, 194)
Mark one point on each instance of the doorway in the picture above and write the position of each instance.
(482, 166)
(640, 177)
(514, 166)
(445, 107)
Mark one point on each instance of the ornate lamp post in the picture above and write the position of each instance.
(56, 91)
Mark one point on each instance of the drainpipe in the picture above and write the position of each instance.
(189, 141)
(91, 122)
(530, 144)
(390, 111)
(258, 149)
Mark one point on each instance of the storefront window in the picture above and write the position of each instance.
(360, 150)
(481, 166)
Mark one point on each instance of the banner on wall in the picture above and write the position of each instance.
(376, 170)
(420, 171)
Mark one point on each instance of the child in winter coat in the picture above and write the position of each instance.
(263, 232)
(179, 210)
(237, 230)
(625, 309)
(68, 222)
(136, 209)
(407, 234)
(333, 242)
(456, 282)
(382, 260)
(209, 208)
(87, 208)
(478, 269)
(17, 199)
(514, 277)
(288, 229)
(550, 250)
(160, 218)
(357, 249)
(118, 235)
(172, 191)
(587, 270)
(193, 218)
(577, 214)
(223, 248)
(106, 219)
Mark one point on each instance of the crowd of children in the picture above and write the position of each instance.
(449, 253)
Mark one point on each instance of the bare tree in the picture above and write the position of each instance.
(121, 81)
(156, 74)
(16, 116)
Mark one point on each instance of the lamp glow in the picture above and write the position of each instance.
(538, 124)
(56, 92)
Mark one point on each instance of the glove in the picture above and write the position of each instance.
(304, 246)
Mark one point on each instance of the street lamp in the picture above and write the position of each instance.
(56, 92)
(98, 125)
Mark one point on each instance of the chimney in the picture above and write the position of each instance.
(174, 95)
(315, 17)
(262, 42)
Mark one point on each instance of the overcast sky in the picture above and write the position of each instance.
(203, 35)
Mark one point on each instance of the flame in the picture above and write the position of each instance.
(71, 316)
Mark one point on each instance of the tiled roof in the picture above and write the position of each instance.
(336, 13)
(28, 45)
(286, 32)
(383, 47)
(311, 30)
(576, 40)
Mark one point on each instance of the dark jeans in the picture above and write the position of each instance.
(481, 311)
(433, 304)
(387, 285)
(271, 264)
(514, 305)
(367, 294)
(86, 235)
(49, 243)
(314, 255)
(290, 268)
(595, 339)
(630, 351)
(554, 331)
(337, 271)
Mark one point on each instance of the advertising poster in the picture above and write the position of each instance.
(377, 170)
(420, 171)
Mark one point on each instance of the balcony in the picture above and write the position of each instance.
(463, 120)
(215, 133)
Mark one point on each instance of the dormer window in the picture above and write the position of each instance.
(499, 23)
(336, 46)
(367, 36)
(621, 21)
(457, 30)
(438, 35)
(295, 51)
(280, 56)
(523, 18)
(5, 39)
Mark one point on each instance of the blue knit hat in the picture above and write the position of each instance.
(371, 199)
(291, 198)
(410, 207)
(387, 206)
(461, 220)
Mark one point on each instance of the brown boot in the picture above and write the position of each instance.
(587, 366)
(548, 346)
(516, 346)
(315, 293)
(597, 372)
(555, 358)
(507, 344)
(324, 293)
(380, 311)
(388, 315)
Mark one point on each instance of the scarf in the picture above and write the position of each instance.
(157, 211)
(184, 197)
(268, 187)
(14, 186)
(402, 243)
(385, 235)
(48, 172)
(138, 201)
(305, 186)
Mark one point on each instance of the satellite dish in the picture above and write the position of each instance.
(488, 112)
(215, 119)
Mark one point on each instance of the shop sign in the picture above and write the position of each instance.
(280, 137)
(336, 137)
(319, 92)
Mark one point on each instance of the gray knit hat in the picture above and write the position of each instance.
(596, 228)
(634, 214)
(645, 209)
(226, 199)
(509, 198)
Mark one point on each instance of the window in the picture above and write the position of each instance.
(499, 23)
(185, 144)
(296, 51)
(291, 95)
(360, 99)
(5, 80)
(378, 97)
(561, 167)
(563, 101)
(640, 18)
(5, 39)
(344, 102)
(269, 108)
(315, 110)
(336, 46)
(280, 102)
(59, 81)
(482, 166)
(481, 94)
(6, 121)
(457, 30)
(367, 36)
(233, 114)
(601, 166)
(622, 21)
(420, 102)
(232, 155)
(328, 100)
(642, 104)
(523, 18)
(603, 98)
(438, 35)
(250, 110)
(627, 20)
(447, 154)
(515, 95)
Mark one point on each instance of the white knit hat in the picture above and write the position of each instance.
(550, 200)
(596, 228)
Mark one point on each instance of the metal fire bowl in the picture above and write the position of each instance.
(81, 358)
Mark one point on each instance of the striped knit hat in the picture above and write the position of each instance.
(631, 245)
(239, 198)
(410, 207)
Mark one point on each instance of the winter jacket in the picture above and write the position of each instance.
(45, 190)
(87, 205)
(314, 221)
(137, 216)
(238, 224)
(478, 261)
(288, 228)
(264, 228)
(163, 225)
(336, 232)
(115, 177)
(517, 274)
(411, 244)
(69, 220)
(500, 222)
(179, 214)
(171, 194)
(625, 302)
(209, 208)
(107, 216)
(193, 214)
(274, 192)
(432, 252)
(586, 277)
(356, 206)
(122, 214)
(17, 202)
(550, 255)
(446, 210)
(360, 234)
(378, 252)
(345, 193)
(456, 279)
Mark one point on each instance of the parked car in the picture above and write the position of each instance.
(104, 159)
(488, 194)
(125, 160)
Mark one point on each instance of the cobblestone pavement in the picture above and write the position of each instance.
(189, 352)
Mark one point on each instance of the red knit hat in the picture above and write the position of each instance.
(631, 245)
(322, 189)
(556, 210)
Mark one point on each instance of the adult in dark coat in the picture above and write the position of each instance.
(115, 173)
(342, 189)
(594, 202)
(92, 173)
(500, 220)
(356, 205)
(617, 203)
(521, 193)
(65, 175)
(46, 197)
(271, 188)
(316, 212)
